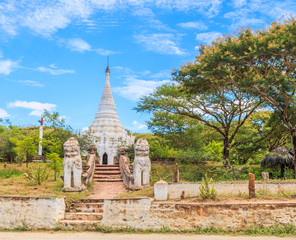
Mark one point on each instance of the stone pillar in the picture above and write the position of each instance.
(251, 185)
(265, 176)
(161, 190)
(176, 174)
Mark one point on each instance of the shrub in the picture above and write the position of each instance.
(38, 176)
(56, 163)
(205, 191)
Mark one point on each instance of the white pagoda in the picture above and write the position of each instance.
(108, 132)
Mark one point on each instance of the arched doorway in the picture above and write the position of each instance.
(105, 158)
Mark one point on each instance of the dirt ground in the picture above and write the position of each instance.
(107, 190)
(111, 236)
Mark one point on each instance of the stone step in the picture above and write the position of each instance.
(90, 200)
(105, 165)
(86, 207)
(108, 177)
(107, 169)
(83, 216)
(79, 224)
(107, 172)
(108, 180)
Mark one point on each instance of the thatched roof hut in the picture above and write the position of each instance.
(281, 156)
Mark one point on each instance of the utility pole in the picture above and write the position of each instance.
(40, 136)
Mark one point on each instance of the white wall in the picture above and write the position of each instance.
(35, 212)
(192, 189)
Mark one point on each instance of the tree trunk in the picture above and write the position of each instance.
(282, 170)
(226, 153)
(293, 138)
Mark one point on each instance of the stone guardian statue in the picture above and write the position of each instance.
(142, 164)
(72, 166)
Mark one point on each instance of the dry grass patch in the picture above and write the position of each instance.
(19, 186)
(146, 192)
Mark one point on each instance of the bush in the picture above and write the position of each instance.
(7, 173)
(38, 176)
(56, 163)
(205, 191)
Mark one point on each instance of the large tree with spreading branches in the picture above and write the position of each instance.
(261, 63)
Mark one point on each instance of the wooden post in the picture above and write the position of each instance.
(176, 174)
(251, 185)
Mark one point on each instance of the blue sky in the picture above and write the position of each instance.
(53, 53)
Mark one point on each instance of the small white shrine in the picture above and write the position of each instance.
(108, 132)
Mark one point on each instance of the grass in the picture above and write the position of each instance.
(16, 184)
(7, 172)
(13, 182)
(275, 230)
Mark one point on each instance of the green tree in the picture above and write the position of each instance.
(25, 145)
(180, 131)
(57, 132)
(223, 110)
(260, 63)
(7, 151)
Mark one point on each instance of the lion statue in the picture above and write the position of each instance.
(142, 164)
(72, 166)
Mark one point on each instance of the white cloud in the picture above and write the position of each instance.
(256, 13)
(7, 66)
(149, 17)
(163, 43)
(136, 88)
(239, 3)
(210, 7)
(78, 45)
(242, 18)
(3, 113)
(138, 84)
(138, 126)
(166, 74)
(52, 69)
(47, 17)
(104, 52)
(31, 83)
(199, 25)
(143, 12)
(37, 107)
(208, 37)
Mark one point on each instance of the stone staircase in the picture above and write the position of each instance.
(107, 173)
(83, 214)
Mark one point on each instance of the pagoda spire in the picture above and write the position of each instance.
(107, 102)
(108, 132)
(107, 68)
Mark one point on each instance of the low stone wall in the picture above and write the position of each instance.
(35, 212)
(174, 190)
(145, 214)
(134, 213)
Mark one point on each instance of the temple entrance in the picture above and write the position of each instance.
(105, 158)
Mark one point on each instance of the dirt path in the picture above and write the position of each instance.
(111, 236)
(107, 190)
